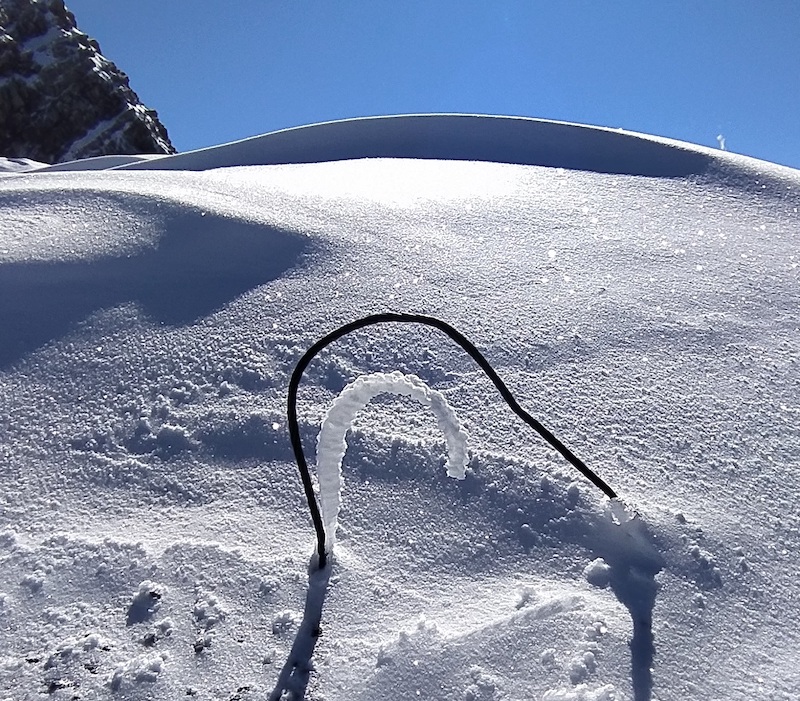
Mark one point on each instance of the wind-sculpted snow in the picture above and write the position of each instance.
(463, 137)
(96, 163)
(332, 443)
(178, 265)
(154, 537)
(18, 165)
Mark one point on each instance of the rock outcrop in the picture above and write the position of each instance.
(60, 98)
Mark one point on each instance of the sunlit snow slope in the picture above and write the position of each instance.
(640, 298)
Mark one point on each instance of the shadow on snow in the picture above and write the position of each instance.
(200, 264)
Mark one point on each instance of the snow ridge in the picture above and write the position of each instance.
(463, 137)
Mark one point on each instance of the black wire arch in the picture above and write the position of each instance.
(475, 354)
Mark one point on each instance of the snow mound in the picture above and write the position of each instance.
(145, 668)
(177, 265)
(151, 320)
(145, 602)
(466, 137)
(96, 163)
(19, 165)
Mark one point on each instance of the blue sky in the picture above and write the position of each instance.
(221, 71)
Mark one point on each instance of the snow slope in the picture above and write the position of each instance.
(640, 298)
(16, 165)
(462, 137)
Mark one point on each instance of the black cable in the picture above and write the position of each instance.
(302, 364)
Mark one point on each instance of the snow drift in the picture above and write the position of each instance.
(463, 137)
(640, 297)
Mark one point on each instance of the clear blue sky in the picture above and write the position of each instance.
(687, 69)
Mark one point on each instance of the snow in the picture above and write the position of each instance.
(598, 573)
(332, 444)
(154, 537)
(104, 126)
(18, 165)
(97, 162)
(464, 137)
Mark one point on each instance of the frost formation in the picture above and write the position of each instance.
(331, 443)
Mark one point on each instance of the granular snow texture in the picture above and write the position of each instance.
(154, 538)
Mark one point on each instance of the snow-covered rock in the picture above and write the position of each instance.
(60, 98)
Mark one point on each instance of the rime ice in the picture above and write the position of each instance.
(331, 442)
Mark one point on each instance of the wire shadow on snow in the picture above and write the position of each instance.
(293, 679)
(634, 563)
(199, 264)
(619, 536)
(637, 590)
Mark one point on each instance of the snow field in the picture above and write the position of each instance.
(331, 443)
(152, 321)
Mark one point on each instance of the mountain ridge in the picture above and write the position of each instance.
(60, 98)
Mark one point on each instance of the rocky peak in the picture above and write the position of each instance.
(60, 98)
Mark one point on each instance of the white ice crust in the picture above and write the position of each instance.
(331, 443)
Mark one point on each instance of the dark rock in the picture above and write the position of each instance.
(60, 98)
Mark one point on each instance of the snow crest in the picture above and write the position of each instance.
(331, 443)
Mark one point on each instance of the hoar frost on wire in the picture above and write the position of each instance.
(331, 443)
